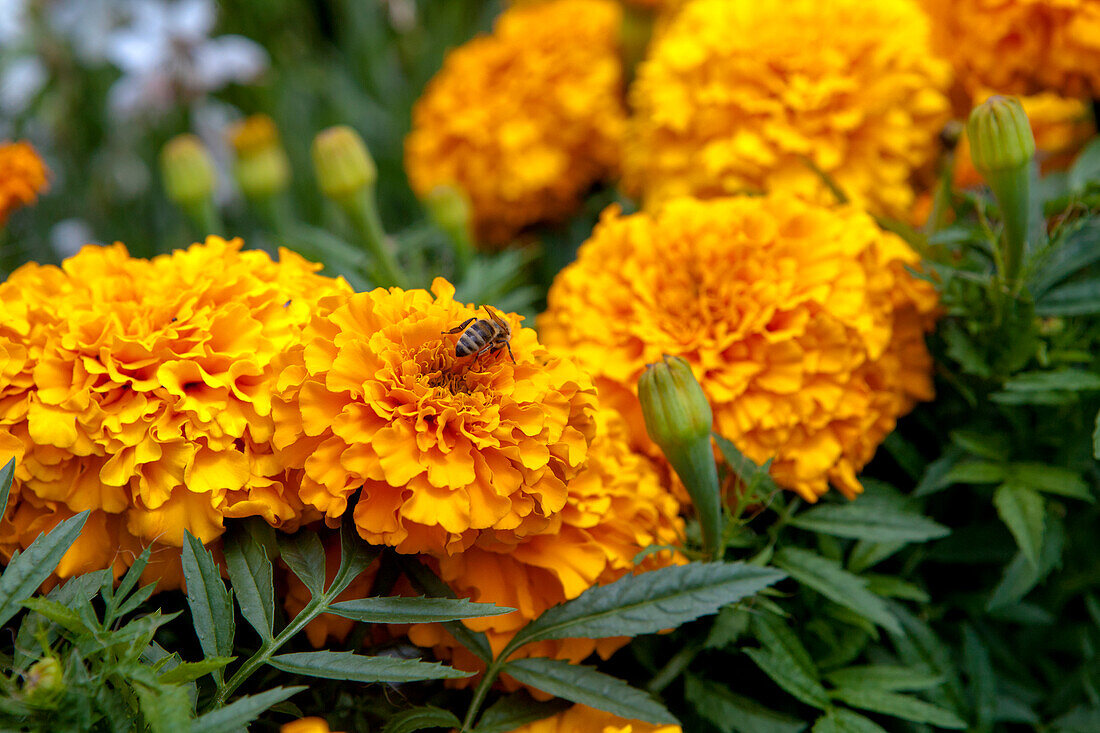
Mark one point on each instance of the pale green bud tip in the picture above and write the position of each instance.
(675, 409)
(449, 207)
(343, 164)
(187, 169)
(44, 681)
(1000, 136)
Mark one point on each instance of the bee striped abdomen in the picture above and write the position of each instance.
(474, 338)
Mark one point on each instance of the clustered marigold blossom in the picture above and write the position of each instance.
(306, 725)
(583, 719)
(526, 119)
(738, 95)
(23, 176)
(444, 449)
(618, 505)
(142, 389)
(801, 323)
(1020, 46)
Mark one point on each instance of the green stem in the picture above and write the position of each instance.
(205, 218)
(272, 210)
(363, 214)
(674, 668)
(695, 465)
(482, 690)
(1012, 189)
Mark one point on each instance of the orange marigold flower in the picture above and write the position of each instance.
(444, 449)
(618, 505)
(801, 323)
(142, 388)
(739, 95)
(583, 719)
(306, 725)
(524, 120)
(1020, 46)
(22, 177)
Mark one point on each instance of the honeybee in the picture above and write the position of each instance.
(481, 335)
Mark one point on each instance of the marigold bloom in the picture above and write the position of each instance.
(306, 725)
(738, 95)
(1020, 46)
(524, 120)
(142, 388)
(583, 719)
(444, 449)
(617, 506)
(22, 177)
(800, 322)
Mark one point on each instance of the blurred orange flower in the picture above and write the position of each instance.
(22, 177)
(582, 719)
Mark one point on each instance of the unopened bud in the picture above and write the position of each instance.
(449, 207)
(342, 162)
(1000, 136)
(43, 682)
(187, 170)
(678, 419)
(262, 168)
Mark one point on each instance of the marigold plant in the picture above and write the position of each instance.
(617, 506)
(444, 449)
(738, 96)
(142, 389)
(23, 176)
(801, 322)
(524, 120)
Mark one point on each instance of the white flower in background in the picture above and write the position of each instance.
(167, 57)
(69, 235)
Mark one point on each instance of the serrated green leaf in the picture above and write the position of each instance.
(587, 686)
(126, 585)
(361, 668)
(835, 583)
(1051, 480)
(866, 555)
(885, 677)
(891, 586)
(870, 522)
(189, 671)
(422, 718)
(918, 645)
(730, 623)
(1022, 510)
(355, 557)
(732, 713)
(753, 476)
(976, 472)
(166, 709)
(839, 720)
(1021, 575)
(476, 642)
(649, 602)
(211, 604)
(774, 634)
(58, 613)
(1069, 380)
(141, 595)
(1079, 298)
(305, 556)
(511, 712)
(408, 610)
(897, 705)
(252, 576)
(7, 477)
(26, 572)
(983, 682)
(788, 675)
(239, 713)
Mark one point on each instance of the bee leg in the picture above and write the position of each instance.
(460, 327)
(510, 354)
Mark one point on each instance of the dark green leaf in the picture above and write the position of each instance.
(787, 674)
(7, 477)
(983, 682)
(26, 572)
(589, 687)
(752, 475)
(406, 610)
(426, 582)
(422, 718)
(305, 556)
(128, 583)
(899, 706)
(891, 586)
(1079, 298)
(188, 671)
(730, 623)
(1086, 169)
(873, 522)
(885, 677)
(211, 604)
(840, 720)
(1079, 720)
(58, 613)
(252, 577)
(355, 556)
(649, 602)
(1022, 510)
(918, 645)
(835, 583)
(976, 472)
(866, 555)
(1051, 479)
(141, 595)
(166, 709)
(1021, 575)
(1069, 380)
(239, 713)
(361, 668)
(777, 637)
(511, 712)
(732, 713)
(1096, 438)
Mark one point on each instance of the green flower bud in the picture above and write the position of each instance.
(262, 168)
(449, 207)
(43, 682)
(1000, 136)
(678, 419)
(187, 170)
(343, 164)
